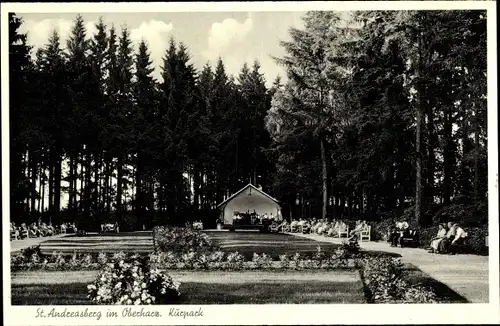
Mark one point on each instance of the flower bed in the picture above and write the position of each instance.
(184, 239)
(132, 282)
(386, 282)
(32, 259)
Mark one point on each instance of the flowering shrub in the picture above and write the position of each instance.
(284, 262)
(235, 261)
(180, 239)
(385, 279)
(132, 282)
(216, 259)
(296, 259)
(262, 261)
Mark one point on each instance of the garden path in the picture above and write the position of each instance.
(18, 245)
(465, 274)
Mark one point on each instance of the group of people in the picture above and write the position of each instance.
(448, 237)
(398, 233)
(335, 228)
(253, 218)
(38, 229)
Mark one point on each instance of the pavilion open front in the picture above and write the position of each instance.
(250, 200)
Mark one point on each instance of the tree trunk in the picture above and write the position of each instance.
(431, 156)
(324, 179)
(57, 185)
(51, 183)
(119, 188)
(43, 191)
(418, 136)
(33, 183)
(476, 155)
(40, 185)
(139, 190)
(448, 158)
(96, 200)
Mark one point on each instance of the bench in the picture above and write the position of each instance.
(343, 230)
(409, 239)
(366, 233)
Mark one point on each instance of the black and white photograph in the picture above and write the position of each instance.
(176, 160)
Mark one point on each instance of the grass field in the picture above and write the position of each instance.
(249, 287)
(137, 242)
(245, 242)
(273, 244)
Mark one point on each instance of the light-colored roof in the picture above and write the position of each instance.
(243, 189)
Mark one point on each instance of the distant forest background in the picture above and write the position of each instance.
(382, 117)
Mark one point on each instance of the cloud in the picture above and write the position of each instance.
(224, 34)
(40, 31)
(155, 34)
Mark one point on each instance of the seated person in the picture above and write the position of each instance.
(441, 234)
(341, 226)
(306, 228)
(398, 233)
(458, 240)
(356, 233)
(444, 245)
(294, 226)
(24, 231)
(14, 231)
(322, 227)
(33, 231)
(300, 225)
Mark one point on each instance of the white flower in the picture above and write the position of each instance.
(91, 287)
(137, 302)
(143, 285)
(118, 285)
(129, 301)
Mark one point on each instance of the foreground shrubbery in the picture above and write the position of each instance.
(201, 260)
(132, 281)
(179, 239)
(386, 281)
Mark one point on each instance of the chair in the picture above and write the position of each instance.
(13, 235)
(273, 228)
(344, 229)
(366, 233)
(409, 239)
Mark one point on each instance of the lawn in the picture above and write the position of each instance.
(245, 242)
(137, 242)
(249, 287)
(273, 244)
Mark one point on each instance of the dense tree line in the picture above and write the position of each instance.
(89, 120)
(382, 116)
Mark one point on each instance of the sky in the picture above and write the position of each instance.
(237, 37)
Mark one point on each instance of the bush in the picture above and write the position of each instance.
(132, 282)
(262, 261)
(386, 282)
(180, 239)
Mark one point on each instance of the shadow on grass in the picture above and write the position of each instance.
(50, 294)
(287, 292)
(416, 276)
(284, 292)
